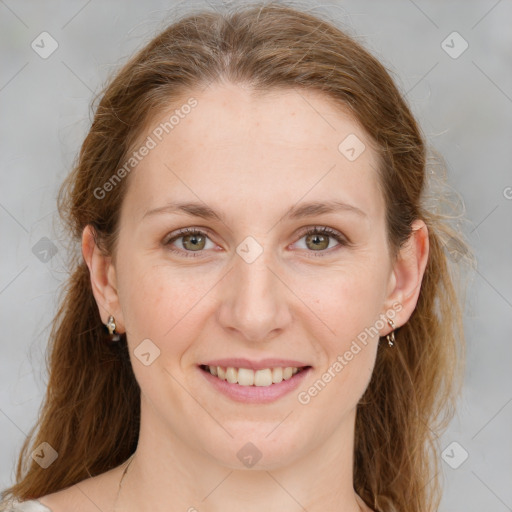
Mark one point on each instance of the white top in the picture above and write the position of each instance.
(27, 506)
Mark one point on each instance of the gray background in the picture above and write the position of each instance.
(464, 105)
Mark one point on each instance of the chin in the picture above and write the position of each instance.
(257, 447)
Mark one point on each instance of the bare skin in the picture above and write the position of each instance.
(250, 159)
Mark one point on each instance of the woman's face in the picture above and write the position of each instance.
(253, 285)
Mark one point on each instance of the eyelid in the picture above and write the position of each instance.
(321, 229)
(332, 233)
(185, 231)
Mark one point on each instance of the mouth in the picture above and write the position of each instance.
(263, 377)
(261, 385)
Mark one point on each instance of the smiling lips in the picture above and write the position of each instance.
(250, 377)
(254, 382)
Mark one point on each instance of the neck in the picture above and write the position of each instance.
(167, 471)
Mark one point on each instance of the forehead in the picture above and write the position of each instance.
(236, 147)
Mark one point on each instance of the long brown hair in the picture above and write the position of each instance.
(91, 411)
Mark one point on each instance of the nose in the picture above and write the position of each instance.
(255, 301)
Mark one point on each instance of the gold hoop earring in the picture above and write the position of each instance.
(391, 336)
(111, 326)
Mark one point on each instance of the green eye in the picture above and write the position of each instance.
(193, 240)
(317, 240)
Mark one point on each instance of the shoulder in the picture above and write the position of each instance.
(86, 496)
(25, 506)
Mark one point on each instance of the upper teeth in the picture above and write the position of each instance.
(248, 377)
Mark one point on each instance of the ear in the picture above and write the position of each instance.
(103, 279)
(407, 275)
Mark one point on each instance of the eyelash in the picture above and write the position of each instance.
(316, 230)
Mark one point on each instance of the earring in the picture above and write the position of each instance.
(111, 326)
(391, 336)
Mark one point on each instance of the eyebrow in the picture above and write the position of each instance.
(300, 211)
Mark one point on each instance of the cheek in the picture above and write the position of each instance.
(349, 306)
(348, 303)
(159, 304)
(346, 300)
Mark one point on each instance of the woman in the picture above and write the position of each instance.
(262, 316)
